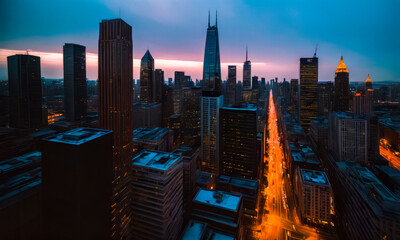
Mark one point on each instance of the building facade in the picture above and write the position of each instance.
(147, 78)
(342, 90)
(308, 103)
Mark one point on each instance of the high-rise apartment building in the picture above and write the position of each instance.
(157, 195)
(77, 184)
(147, 78)
(25, 91)
(115, 113)
(239, 156)
(342, 90)
(308, 91)
(75, 88)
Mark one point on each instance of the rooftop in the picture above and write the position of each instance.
(349, 115)
(240, 182)
(186, 151)
(78, 136)
(155, 159)
(218, 199)
(196, 230)
(149, 134)
(314, 177)
(203, 177)
(242, 107)
(20, 161)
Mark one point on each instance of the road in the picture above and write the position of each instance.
(280, 219)
(394, 161)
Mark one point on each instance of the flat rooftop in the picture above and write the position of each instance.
(196, 230)
(242, 107)
(218, 199)
(78, 136)
(389, 123)
(240, 182)
(186, 151)
(349, 115)
(203, 177)
(314, 177)
(155, 159)
(149, 134)
(20, 161)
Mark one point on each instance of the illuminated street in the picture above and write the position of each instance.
(280, 219)
(389, 155)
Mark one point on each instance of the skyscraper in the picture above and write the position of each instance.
(308, 91)
(211, 101)
(369, 97)
(146, 78)
(115, 113)
(342, 90)
(75, 93)
(180, 83)
(212, 64)
(294, 96)
(77, 184)
(254, 81)
(158, 85)
(25, 91)
(230, 97)
(247, 73)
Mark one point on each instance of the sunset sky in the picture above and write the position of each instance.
(277, 33)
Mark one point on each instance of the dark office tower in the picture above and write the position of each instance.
(115, 113)
(369, 97)
(167, 107)
(239, 156)
(247, 73)
(180, 83)
(212, 64)
(191, 112)
(25, 91)
(146, 78)
(308, 91)
(77, 184)
(158, 85)
(75, 93)
(342, 90)
(325, 98)
(263, 82)
(230, 97)
(254, 81)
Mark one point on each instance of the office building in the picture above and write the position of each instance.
(147, 78)
(247, 73)
(77, 187)
(167, 107)
(115, 112)
(221, 210)
(314, 194)
(157, 195)
(230, 96)
(191, 115)
(196, 230)
(158, 85)
(75, 89)
(25, 91)
(20, 199)
(239, 155)
(325, 98)
(294, 97)
(180, 83)
(175, 123)
(211, 101)
(365, 207)
(342, 90)
(160, 139)
(147, 115)
(254, 81)
(348, 137)
(308, 91)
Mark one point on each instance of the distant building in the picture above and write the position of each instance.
(167, 107)
(147, 115)
(191, 115)
(247, 72)
(180, 83)
(363, 102)
(77, 184)
(221, 210)
(254, 81)
(160, 139)
(147, 78)
(342, 90)
(294, 97)
(348, 137)
(314, 194)
(239, 155)
(25, 91)
(75, 88)
(319, 131)
(175, 123)
(308, 91)
(157, 195)
(158, 85)
(230, 97)
(20, 199)
(325, 98)
(116, 112)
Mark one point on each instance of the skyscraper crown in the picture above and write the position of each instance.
(341, 67)
(368, 80)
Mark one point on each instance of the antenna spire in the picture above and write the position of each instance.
(208, 17)
(216, 18)
(246, 53)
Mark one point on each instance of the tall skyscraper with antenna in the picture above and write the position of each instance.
(211, 101)
(247, 72)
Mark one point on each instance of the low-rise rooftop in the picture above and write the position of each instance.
(14, 163)
(196, 230)
(78, 136)
(239, 182)
(218, 199)
(314, 177)
(149, 134)
(155, 159)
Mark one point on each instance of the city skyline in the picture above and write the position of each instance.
(275, 42)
